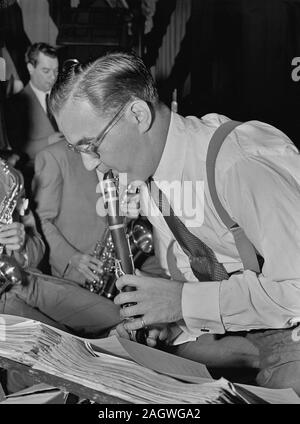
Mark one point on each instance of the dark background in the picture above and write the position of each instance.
(240, 56)
(241, 60)
(237, 54)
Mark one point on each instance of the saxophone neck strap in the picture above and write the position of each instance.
(245, 248)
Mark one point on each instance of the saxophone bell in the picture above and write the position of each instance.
(140, 240)
(104, 284)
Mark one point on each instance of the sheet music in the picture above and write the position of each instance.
(122, 368)
(274, 396)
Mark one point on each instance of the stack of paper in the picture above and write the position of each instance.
(132, 372)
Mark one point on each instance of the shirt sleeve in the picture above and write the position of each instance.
(47, 187)
(270, 217)
(264, 200)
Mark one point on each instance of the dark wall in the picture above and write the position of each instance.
(240, 54)
(13, 36)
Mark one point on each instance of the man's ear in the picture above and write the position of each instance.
(30, 68)
(141, 114)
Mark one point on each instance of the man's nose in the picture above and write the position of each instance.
(89, 161)
(53, 76)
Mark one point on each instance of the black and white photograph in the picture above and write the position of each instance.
(149, 208)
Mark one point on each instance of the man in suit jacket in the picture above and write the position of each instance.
(66, 198)
(30, 126)
(41, 297)
(53, 301)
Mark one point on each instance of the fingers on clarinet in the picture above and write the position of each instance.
(134, 324)
(126, 280)
(151, 342)
(126, 297)
(128, 311)
(152, 337)
(163, 334)
(121, 332)
(153, 333)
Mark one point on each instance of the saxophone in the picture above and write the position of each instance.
(104, 284)
(11, 188)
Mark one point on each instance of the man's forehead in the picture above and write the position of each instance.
(78, 119)
(44, 60)
(77, 109)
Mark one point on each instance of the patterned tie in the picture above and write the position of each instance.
(203, 261)
(49, 114)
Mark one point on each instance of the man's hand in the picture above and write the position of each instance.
(155, 301)
(120, 331)
(55, 137)
(86, 264)
(154, 335)
(158, 334)
(12, 236)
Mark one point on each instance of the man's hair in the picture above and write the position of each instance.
(107, 84)
(31, 55)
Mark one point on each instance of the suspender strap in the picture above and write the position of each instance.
(244, 246)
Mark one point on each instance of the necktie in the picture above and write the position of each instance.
(49, 114)
(203, 261)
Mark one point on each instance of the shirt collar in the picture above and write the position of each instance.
(39, 92)
(171, 164)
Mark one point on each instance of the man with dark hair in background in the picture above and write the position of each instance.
(30, 125)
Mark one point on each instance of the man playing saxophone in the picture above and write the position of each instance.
(13, 236)
(42, 297)
(65, 197)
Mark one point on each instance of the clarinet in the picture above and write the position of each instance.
(124, 263)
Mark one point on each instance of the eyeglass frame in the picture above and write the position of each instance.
(90, 147)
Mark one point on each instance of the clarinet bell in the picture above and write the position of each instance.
(141, 336)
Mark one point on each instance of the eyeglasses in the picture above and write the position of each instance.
(91, 146)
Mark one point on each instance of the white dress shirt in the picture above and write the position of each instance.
(41, 95)
(258, 182)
